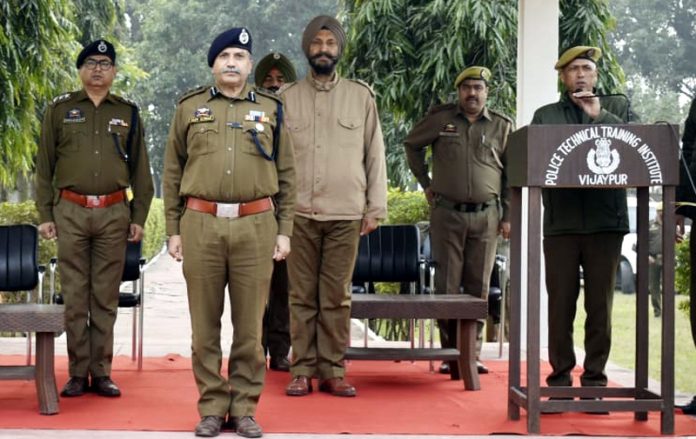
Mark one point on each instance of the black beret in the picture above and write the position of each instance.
(99, 47)
(235, 37)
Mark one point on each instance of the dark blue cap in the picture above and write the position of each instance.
(99, 47)
(235, 37)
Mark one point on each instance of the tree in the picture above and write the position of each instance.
(35, 44)
(171, 41)
(411, 51)
(655, 42)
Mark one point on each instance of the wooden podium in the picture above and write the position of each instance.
(591, 156)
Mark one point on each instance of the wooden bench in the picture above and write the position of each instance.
(46, 321)
(464, 308)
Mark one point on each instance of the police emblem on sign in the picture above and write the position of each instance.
(244, 37)
(603, 160)
(102, 47)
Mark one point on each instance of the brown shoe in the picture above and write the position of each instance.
(337, 386)
(299, 386)
(246, 426)
(76, 386)
(103, 386)
(209, 426)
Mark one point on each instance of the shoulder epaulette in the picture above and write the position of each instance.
(286, 86)
(61, 98)
(265, 93)
(124, 100)
(441, 107)
(364, 84)
(500, 114)
(193, 92)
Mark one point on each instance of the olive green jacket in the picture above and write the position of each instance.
(583, 211)
(211, 154)
(84, 148)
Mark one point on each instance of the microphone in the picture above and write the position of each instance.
(629, 115)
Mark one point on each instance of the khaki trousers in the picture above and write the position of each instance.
(237, 254)
(598, 254)
(91, 254)
(464, 245)
(320, 268)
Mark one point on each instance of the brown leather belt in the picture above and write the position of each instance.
(93, 201)
(229, 210)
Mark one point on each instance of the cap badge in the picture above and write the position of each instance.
(244, 37)
(102, 47)
(590, 53)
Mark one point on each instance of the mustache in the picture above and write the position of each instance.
(326, 54)
(230, 70)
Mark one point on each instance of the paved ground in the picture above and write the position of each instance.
(167, 330)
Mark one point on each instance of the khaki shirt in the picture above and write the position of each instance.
(469, 164)
(341, 169)
(211, 154)
(78, 152)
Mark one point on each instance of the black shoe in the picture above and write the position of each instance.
(103, 386)
(209, 426)
(444, 368)
(690, 408)
(595, 412)
(246, 426)
(76, 386)
(481, 368)
(280, 363)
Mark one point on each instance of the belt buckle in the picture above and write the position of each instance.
(227, 210)
(93, 200)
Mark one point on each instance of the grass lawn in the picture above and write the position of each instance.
(623, 351)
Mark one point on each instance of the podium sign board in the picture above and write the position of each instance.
(590, 156)
(593, 156)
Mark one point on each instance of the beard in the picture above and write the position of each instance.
(274, 89)
(323, 69)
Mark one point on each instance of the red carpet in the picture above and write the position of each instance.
(393, 398)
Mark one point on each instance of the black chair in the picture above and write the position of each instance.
(19, 269)
(133, 272)
(391, 254)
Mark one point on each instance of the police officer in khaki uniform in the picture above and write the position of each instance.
(342, 184)
(582, 228)
(468, 190)
(229, 193)
(91, 150)
(272, 72)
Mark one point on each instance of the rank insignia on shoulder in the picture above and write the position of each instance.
(257, 116)
(450, 128)
(74, 116)
(61, 98)
(202, 114)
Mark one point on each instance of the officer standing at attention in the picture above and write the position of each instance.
(91, 150)
(272, 72)
(227, 159)
(342, 178)
(468, 191)
(687, 192)
(582, 228)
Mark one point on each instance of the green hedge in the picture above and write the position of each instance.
(682, 273)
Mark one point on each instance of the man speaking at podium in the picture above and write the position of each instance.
(582, 228)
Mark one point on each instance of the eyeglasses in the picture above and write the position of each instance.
(92, 64)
